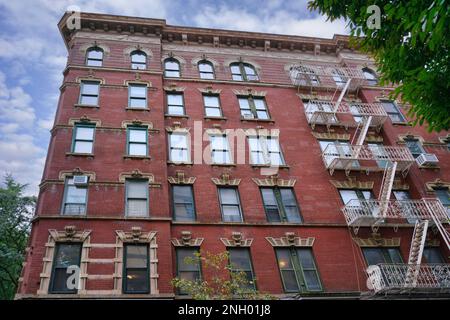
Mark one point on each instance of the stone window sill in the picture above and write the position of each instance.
(94, 106)
(215, 118)
(176, 116)
(284, 166)
(136, 109)
(257, 120)
(223, 164)
(179, 163)
(74, 154)
(128, 156)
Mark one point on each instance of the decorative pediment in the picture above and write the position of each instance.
(225, 180)
(76, 172)
(290, 240)
(249, 92)
(408, 136)
(437, 184)
(180, 178)
(237, 240)
(331, 136)
(176, 127)
(137, 122)
(91, 77)
(274, 181)
(210, 90)
(399, 185)
(377, 241)
(137, 174)
(137, 80)
(186, 240)
(69, 234)
(85, 120)
(136, 235)
(173, 88)
(128, 50)
(352, 183)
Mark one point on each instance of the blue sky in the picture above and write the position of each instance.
(33, 56)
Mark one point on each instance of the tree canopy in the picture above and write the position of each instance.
(411, 48)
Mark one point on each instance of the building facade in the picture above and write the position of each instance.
(329, 193)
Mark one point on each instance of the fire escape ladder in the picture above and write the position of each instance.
(386, 187)
(341, 96)
(437, 220)
(416, 252)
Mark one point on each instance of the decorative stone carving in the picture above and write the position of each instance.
(237, 240)
(331, 136)
(85, 120)
(173, 88)
(437, 184)
(136, 235)
(76, 172)
(137, 122)
(249, 92)
(377, 241)
(225, 180)
(290, 240)
(210, 90)
(176, 127)
(274, 181)
(180, 178)
(137, 174)
(352, 183)
(186, 240)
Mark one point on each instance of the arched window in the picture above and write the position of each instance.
(171, 68)
(370, 76)
(138, 60)
(206, 69)
(243, 72)
(94, 57)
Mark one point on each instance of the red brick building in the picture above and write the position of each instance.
(126, 192)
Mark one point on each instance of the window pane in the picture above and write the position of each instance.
(84, 133)
(94, 63)
(389, 107)
(59, 283)
(175, 110)
(289, 281)
(179, 155)
(138, 103)
(237, 77)
(243, 103)
(182, 264)
(172, 65)
(433, 255)
(311, 280)
(175, 99)
(211, 101)
(172, 74)
(137, 189)
(249, 70)
(228, 196)
(138, 91)
(90, 88)
(136, 256)
(178, 140)
(262, 115)
(89, 100)
(205, 67)
(373, 256)
(136, 135)
(138, 149)
(83, 147)
(213, 112)
(95, 54)
(394, 255)
(137, 207)
(76, 194)
(240, 259)
(221, 157)
(183, 202)
(138, 57)
(259, 104)
(231, 213)
(207, 75)
(306, 259)
(67, 255)
(137, 280)
(347, 195)
(137, 66)
(235, 69)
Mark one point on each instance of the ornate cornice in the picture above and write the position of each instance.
(249, 92)
(85, 120)
(137, 122)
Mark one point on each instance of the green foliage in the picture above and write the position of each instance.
(15, 214)
(411, 49)
(225, 283)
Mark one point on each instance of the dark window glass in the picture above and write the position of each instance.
(94, 57)
(138, 60)
(136, 269)
(240, 261)
(370, 76)
(393, 111)
(432, 255)
(444, 196)
(375, 256)
(185, 270)
(171, 68)
(183, 203)
(280, 205)
(66, 255)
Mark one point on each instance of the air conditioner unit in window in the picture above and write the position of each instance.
(80, 181)
(427, 160)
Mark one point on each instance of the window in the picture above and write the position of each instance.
(206, 69)
(370, 76)
(137, 141)
(137, 96)
(138, 60)
(335, 150)
(136, 198)
(212, 105)
(66, 255)
(175, 104)
(240, 261)
(375, 256)
(136, 269)
(183, 203)
(280, 205)
(253, 108)
(432, 255)
(229, 204)
(171, 68)
(94, 57)
(188, 271)
(339, 78)
(393, 111)
(220, 149)
(178, 147)
(75, 198)
(89, 93)
(325, 116)
(265, 151)
(379, 152)
(444, 196)
(243, 72)
(403, 198)
(83, 138)
(348, 195)
(298, 270)
(304, 76)
(414, 146)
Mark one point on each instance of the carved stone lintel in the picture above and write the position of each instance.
(237, 240)
(225, 180)
(137, 174)
(352, 183)
(290, 240)
(274, 181)
(136, 235)
(437, 184)
(186, 240)
(377, 241)
(180, 178)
